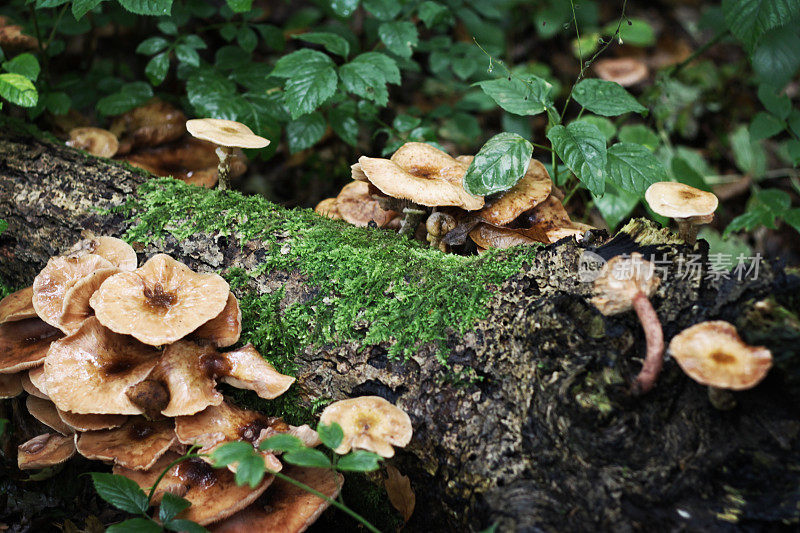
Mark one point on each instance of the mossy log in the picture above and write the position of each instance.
(530, 424)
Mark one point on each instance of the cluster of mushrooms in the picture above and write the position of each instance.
(122, 363)
(421, 183)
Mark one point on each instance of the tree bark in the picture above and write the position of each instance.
(549, 438)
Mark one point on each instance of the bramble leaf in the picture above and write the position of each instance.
(582, 147)
(121, 492)
(605, 98)
(498, 165)
(529, 96)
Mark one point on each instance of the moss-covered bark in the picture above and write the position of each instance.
(516, 385)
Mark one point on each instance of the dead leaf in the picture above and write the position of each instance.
(398, 487)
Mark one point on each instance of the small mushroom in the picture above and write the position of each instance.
(28, 385)
(626, 71)
(45, 412)
(244, 368)
(369, 423)
(45, 450)
(530, 191)
(690, 207)
(12, 38)
(328, 208)
(224, 329)
(24, 344)
(10, 385)
(76, 307)
(356, 206)
(629, 282)
(152, 124)
(137, 444)
(116, 251)
(438, 225)
(160, 302)
(487, 236)
(96, 141)
(36, 378)
(227, 135)
(17, 306)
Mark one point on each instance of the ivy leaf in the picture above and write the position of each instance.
(240, 6)
(344, 124)
(335, 44)
(135, 525)
(359, 461)
(18, 89)
(765, 125)
(399, 37)
(633, 168)
(530, 96)
(120, 492)
(157, 68)
(344, 8)
(605, 98)
(615, 205)
(305, 131)
(151, 46)
(24, 64)
(582, 147)
(129, 96)
(383, 9)
(311, 80)
(749, 20)
(281, 443)
(499, 164)
(148, 7)
(170, 506)
(331, 436)
(307, 457)
(81, 7)
(367, 75)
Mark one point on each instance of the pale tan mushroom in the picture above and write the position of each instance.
(690, 207)
(28, 385)
(244, 368)
(224, 329)
(118, 252)
(438, 225)
(76, 306)
(24, 344)
(369, 423)
(357, 173)
(152, 124)
(45, 412)
(137, 444)
(45, 450)
(161, 302)
(626, 71)
(12, 38)
(36, 377)
(328, 208)
(10, 385)
(17, 306)
(428, 162)
(89, 371)
(96, 141)
(531, 190)
(356, 206)
(91, 422)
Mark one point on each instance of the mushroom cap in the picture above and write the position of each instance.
(89, 371)
(96, 141)
(328, 208)
(357, 173)
(28, 385)
(428, 162)
(357, 207)
(45, 412)
(224, 329)
(151, 124)
(91, 422)
(225, 133)
(533, 189)
(285, 507)
(712, 353)
(620, 280)
(488, 236)
(24, 344)
(76, 306)
(246, 369)
(12, 38)
(137, 444)
(10, 385)
(51, 284)
(677, 200)
(161, 302)
(118, 252)
(369, 423)
(626, 71)
(45, 450)
(36, 377)
(17, 306)
(213, 493)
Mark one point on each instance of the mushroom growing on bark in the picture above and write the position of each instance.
(17, 306)
(24, 344)
(116, 251)
(151, 124)
(10, 385)
(369, 423)
(96, 141)
(227, 135)
(224, 329)
(45, 412)
(531, 190)
(137, 445)
(244, 368)
(356, 206)
(690, 207)
(45, 450)
(438, 225)
(626, 71)
(627, 282)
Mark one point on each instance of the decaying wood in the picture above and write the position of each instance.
(549, 438)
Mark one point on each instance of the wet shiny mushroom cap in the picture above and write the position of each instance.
(487, 236)
(620, 280)
(76, 307)
(45, 450)
(225, 133)
(626, 71)
(712, 353)
(369, 423)
(96, 141)
(224, 329)
(676, 200)
(151, 124)
(531, 190)
(356, 206)
(116, 251)
(10, 385)
(328, 208)
(428, 162)
(137, 444)
(161, 302)
(45, 412)
(17, 306)
(24, 344)
(244, 368)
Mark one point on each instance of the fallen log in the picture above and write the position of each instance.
(517, 387)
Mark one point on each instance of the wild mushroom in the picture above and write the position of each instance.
(151, 124)
(36, 378)
(713, 354)
(244, 368)
(227, 135)
(625, 283)
(96, 141)
(137, 445)
(626, 71)
(224, 329)
(690, 207)
(28, 385)
(91, 422)
(45, 450)
(328, 208)
(487, 236)
(10, 385)
(369, 423)
(531, 190)
(45, 412)
(355, 205)
(438, 225)
(160, 302)
(17, 306)
(116, 251)
(24, 344)
(76, 307)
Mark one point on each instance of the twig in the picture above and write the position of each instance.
(694, 55)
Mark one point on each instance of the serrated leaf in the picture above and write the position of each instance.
(343, 122)
(686, 173)
(212, 95)
(281, 443)
(335, 44)
(367, 75)
(250, 470)
(498, 165)
(359, 461)
(529, 96)
(615, 205)
(749, 20)
(383, 9)
(639, 134)
(135, 525)
(344, 8)
(765, 125)
(157, 68)
(120, 492)
(305, 131)
(151, 46)
(330, 435)
(148, 7)
(18, 90)
(231, 453)
(399, 37)
(605, 98)
(633, 168)
(777, 57)
(24, 64)
(308, 457)
(81, 7)
(582, 147)
(311, 80)
(187, 54)
(171, 505)
(240, 6)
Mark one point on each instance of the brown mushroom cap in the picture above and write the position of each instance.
(212, 492)
(712, 353)
(10, 385)
(118, 252)
(89, 371)
(357, 207)
(161, 302)
(369, 423)
(52, 283)
(36, 377)
(225, 133)
(45, 450)
(96, 141)
(533, 189)
(137, 444)
(676, 200)
(45, 412)
(620, 280)
(28, 385)
(328, 208)
(17, 306)
(626, 71)
(91, 422)
(246, 369)
(12, 38)
(152, 124)
(487, 236)
(76, 306)
(285, 507)
(224, 329)
(24, 344)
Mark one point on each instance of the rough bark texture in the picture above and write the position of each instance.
(549, 438)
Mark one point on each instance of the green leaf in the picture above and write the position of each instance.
(367, 75)
(335, 44)
(749, 155)
(151, 46)
(18, 90)
(633, 168)
(639, 134)
(794, 121)
(344, 8)
(168, 27)
(582, 147)
(793, 151)
(128, 97)
(212, 95)
(81, 7)
(187, 54)
(403, 122)
(240, 6)
(24, 64)
(383, 9)
(749, 20)
(157, 68)
(605, 126)
(778, 104)
(3, 227)
(195, 42)
(750, 220)
(57, 103)
(359, 461)
(605, 98)
(686, 173)
(311, 80)
(135, 525)
(170, 506)
(305, 131)
(636, 32)
(148, 7)
(247, 39)
(399, 37)
(331, 436)
(431, 13)
(792, 217)
(281, 443)
(307, 457)
(765, 125)
(615, 205)
(776, 200)
(777, 57)
(184, 526)
(530, 96)
(250, 470)
(121, 492)
(231, 453)
(342, 119)
(499, 164)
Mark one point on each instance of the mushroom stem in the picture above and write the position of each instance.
(721, 399)
(654, 358)
(687, 231)
(412, 216)
(224, 168)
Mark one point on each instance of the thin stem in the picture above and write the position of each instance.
(697, 53)
(654, 358)
(542, 147)
(224, 168)
(571, 193)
